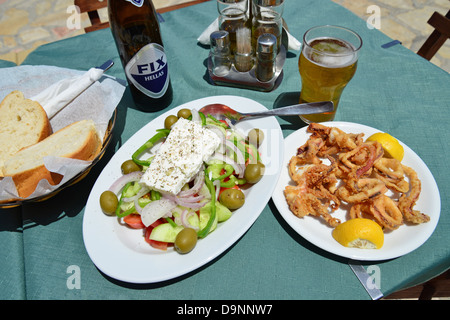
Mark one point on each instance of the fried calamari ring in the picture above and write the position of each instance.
(386, 212)
(382, 209)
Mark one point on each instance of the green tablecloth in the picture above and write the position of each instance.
(393, 90)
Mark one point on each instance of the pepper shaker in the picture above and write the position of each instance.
(265, 57)
(220, 52)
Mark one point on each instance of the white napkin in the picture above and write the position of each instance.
(61, 93)
(293, 43)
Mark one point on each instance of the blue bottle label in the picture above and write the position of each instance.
(137, 3)
(148, 71)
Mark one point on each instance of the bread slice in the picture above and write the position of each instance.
(78, 140)
(23, 122)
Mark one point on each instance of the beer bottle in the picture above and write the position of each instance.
(135, 29)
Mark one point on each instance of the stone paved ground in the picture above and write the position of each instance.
(26, 24)
(406, 21)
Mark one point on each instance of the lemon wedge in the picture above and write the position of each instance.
(359, 233)
(392, 148)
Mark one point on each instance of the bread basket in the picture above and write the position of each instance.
(106, 141)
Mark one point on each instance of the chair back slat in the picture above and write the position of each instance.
(436, 40)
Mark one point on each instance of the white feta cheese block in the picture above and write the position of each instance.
(180, 157)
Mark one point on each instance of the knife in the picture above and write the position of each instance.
(365, 278)
(106, 65)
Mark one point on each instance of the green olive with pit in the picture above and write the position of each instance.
(232, 198)
(255, 137)
(186, 240)
(254, 172)
(170, 121)
(130, 166)
(109, 202)
(184, 113)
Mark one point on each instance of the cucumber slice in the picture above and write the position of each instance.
(193, 218)
(223, 213)
(165, 232)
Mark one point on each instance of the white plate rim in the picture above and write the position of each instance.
(110, 250)
(308, 227)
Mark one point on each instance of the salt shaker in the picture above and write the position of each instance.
(266, 54)
(220, 53)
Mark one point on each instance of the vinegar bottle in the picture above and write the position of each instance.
(135, 29)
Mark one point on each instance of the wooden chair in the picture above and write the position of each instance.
(92, 7)
(437, 287)
(441, 33)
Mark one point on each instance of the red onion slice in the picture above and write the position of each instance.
(240, 157)
(184, 217)
(198, 184)
(123, 180)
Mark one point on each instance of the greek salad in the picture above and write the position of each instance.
(185, 180)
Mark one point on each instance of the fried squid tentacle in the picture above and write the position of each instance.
(391, 172)
(361, 190)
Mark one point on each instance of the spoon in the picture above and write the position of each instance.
(221, 111)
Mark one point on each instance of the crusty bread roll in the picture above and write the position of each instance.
(78, 140)
(23, 122)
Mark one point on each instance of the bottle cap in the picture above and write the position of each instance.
(267, 43)
(220, 39)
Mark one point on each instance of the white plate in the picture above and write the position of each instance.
(123, 254)
(397, 243)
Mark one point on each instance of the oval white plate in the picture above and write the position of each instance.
(123, 254)
(396, 243)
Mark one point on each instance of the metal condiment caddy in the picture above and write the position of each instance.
(248, 50)
(227, 74)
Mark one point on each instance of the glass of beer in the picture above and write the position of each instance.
(327, 63)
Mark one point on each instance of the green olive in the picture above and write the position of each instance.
(109, 202)
(130, 166)
(186, 240)
(184, 113)
(170, 121)
(254, 172)
(232, 198)
(255, 137)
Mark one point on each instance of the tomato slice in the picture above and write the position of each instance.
(134, 221)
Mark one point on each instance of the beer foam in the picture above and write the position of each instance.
(331, 53)
(333, 61)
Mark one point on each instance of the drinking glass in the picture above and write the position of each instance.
(267, 18)
(232, 16)
(327, 63)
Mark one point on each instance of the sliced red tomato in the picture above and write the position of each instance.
(134, 221)
(157, 223)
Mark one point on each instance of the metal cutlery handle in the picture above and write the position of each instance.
(297, 109)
